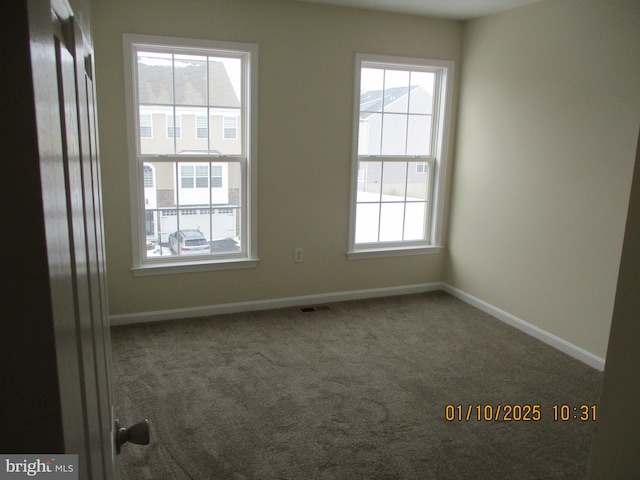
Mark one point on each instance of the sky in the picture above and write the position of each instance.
(372, 79)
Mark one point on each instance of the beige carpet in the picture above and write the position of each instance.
(356, 391)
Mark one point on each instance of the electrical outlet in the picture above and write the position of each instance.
(298, 255)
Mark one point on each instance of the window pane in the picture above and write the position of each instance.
(367, 220)
(159, 202)
(157, 245)
(396, 91)
(226, 236)
(391, 222)
(421, 97)
(369, 134)
(414, 220)
(149, 223)
(155, 78)
(158, 142)
(371, 85)
(216, 176)
(369, 181)
(203, 221)
(394, 134)
(232, 179)
(225, 132)
(419, 136)
(225, 76)
(417, 181)
(186, 177)
(227, 215)
(394, 181)
(190, 73)
(188, 142)
(148, 176)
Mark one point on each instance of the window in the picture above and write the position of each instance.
(197, 176)
(148, 177)
(202, 176)
(399, 155)
(146, 130)
(174, 126)
(202, 127)
(184, 181)
(216, 176)
(230, 128)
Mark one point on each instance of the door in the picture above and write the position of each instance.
(82, 188)
(62, 66)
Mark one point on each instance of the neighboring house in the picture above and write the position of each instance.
(387, 112)
(205, 195)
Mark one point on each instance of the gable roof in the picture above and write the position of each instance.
(375, 101)
(155, 85)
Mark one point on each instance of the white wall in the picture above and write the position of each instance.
(549, 113)
(614, 453)
(545, 144)
(307, 55)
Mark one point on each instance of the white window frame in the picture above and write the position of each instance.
(248, 255)
(435, 163)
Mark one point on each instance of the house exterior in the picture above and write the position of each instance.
(384, 120)
(190, 194)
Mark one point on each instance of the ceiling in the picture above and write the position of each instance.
(453, 9)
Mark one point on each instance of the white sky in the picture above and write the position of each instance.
(372, 79)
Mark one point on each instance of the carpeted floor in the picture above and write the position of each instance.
(356, 391)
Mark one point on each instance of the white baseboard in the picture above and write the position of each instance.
(548, 338)
(305, 300)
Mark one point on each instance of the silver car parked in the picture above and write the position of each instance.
(188, 242)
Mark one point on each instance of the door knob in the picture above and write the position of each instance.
(137, 433)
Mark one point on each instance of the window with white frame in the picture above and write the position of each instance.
(183, 182)
(216, 176)
(230, 128)
(422, 167)
(146, 127)
(202, 127)
(197, 176)
(399, 155)
(148, 177)
(174, 126)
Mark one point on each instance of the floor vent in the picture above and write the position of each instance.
(314, 309)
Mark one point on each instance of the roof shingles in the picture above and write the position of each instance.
(155, 84)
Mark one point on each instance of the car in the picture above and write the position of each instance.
(188, 242)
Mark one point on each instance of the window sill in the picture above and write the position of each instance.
(392, 252)
(191, 267)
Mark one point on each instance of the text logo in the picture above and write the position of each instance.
(46, 466)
